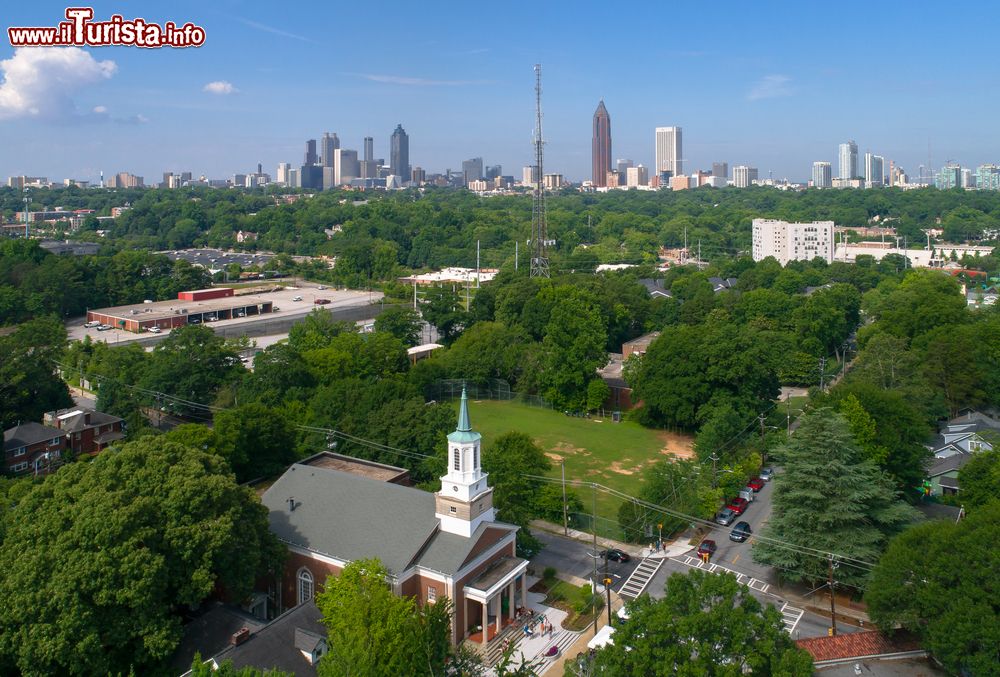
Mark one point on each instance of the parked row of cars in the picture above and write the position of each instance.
(736, 507)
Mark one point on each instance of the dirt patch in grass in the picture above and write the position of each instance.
(618, 468)
(568, 448)
(677, 444)
(555, 457)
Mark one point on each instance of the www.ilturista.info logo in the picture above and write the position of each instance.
(79, 30)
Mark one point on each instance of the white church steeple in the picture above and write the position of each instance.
(465, 500)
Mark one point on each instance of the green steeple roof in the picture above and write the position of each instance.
(463, 433)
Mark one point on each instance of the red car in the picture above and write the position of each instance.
(707, 547)
(756, 484)
(321, 302)
(738, 505)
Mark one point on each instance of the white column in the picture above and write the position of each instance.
(510, 599)
(524, 590)
(499, 614)
(486, 623)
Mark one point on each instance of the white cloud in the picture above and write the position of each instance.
(39, 82)
(100, 109)
(418, 82)
(770, 87)
(220, 87)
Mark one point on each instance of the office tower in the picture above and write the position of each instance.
(311, 176)
(636, 176)
(668, 151)
(345, 166)
(792, 241)
(493, 171)
(310, 158)
(369, 149)
(874, 170)
(968, 178)
(472, 169)
(897, 177)
(399, 152)
(328, 144)
(950, 176)
(622, 165)
(848, 168)
(418, 176)
(529, 175)
(294, 178)
(720, 169)
(822, 175)
(743, 176)
(283, 173)
(988, 177)
(601, 146)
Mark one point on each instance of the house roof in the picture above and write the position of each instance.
(856, 645)
(26, 434)
(210, 633)
(276, 645)
(719, 284)
(447, 553)
(940, 466)
(655, 288)
(74, 419)
(372, 518)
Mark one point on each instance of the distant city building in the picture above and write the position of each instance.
(792, 241)
(20, 182)
(848, 183)
(897, 177)
(369, 149)
(848, 167)
(294, 178)
(669, 148)
(636, 176)
(720, 169)
(743, 176)
(874, 170)
(822, 175)
(492, 172)
(328, 144)
(472, 169)
(968, 178)
(681, 182)
(552, 181)
(310, 156)
(283, 173)
(345, 166)
(529, 175)
(950, 176)
(988, 177)
(125, 180)
(418, 175)
(399, 152)
(614, 179)
(622, 165)
(601, 146)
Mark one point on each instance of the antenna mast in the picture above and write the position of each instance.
(539, 236)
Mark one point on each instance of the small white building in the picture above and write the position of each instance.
(792, 241)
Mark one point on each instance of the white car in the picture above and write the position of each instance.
(154, 330)
(296, 298)
(91, 325)
(321, 287)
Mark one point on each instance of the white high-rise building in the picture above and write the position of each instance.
(668, 151)
(822, 175)
(283, 177)
(792, 241)
(529, 175)
(743, 176)
(346, 167)
(636, 176)
(848, 168)
(874, 170)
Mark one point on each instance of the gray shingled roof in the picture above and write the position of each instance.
(78, 423)
(349, 517)
(273, 647)
(27, 434)
(940, 466)
(446, 552)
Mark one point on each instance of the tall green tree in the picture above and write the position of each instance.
(190, 366)
(403, 323)
(380, 634)
(939, 580)
(829, 499)
(508, 460)
(29, 385)
(98, 560)
(979, 479)
(256, 441)
(706, 624)
(573, 348)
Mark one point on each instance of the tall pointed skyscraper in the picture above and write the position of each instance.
(601, 145)
(399, 153)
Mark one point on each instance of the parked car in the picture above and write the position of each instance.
(738, 505)
(746, 493)
(321, 287)
(740, 532)
(194, 320)
(725, 517)
(91, 325)
(104, 327)
(766, 474)
(615, 555)
(756, 484)
(707, 547)
(154, 330)
(296, 298)
(321, 302)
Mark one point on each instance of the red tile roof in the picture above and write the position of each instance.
(857, 644)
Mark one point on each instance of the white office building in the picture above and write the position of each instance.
(874, 170)
(668, 151)
(346, 167)
(743, 176)
(848, 168)
(636, 176)
(822, 175)
(792, 241)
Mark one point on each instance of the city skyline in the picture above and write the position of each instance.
(214, 111)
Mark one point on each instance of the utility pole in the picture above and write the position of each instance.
(516, 243)
(833, 607)
(822, 371)
(562, 464)
(477, 264)
(715, 472)
(593, 525)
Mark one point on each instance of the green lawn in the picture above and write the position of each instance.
(594, 450)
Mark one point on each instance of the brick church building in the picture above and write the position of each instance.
(331, 510)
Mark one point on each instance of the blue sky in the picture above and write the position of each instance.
(775, 85)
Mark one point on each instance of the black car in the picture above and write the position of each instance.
(740, 532)
(615, 555)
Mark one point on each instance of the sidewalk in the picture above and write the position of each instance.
(670, 549)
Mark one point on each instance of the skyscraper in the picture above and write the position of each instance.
(848, 168)
(310, 158)
(668, 150)
(472, 169)
(720, 169)
(399, 153)
(874, 170)
(743, 176)
(327, 145)
(601, 145)
(369, 149)
(822, 175)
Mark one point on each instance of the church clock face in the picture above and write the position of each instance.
(454, 488)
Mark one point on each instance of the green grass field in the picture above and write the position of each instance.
(594, 450)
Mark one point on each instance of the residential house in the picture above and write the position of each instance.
(655, 288)
(33, 447)
(722, 284)
(88, 431)
(958, 440)
(620, 397)
(446, 544)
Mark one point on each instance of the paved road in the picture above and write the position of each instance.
(576, 559)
